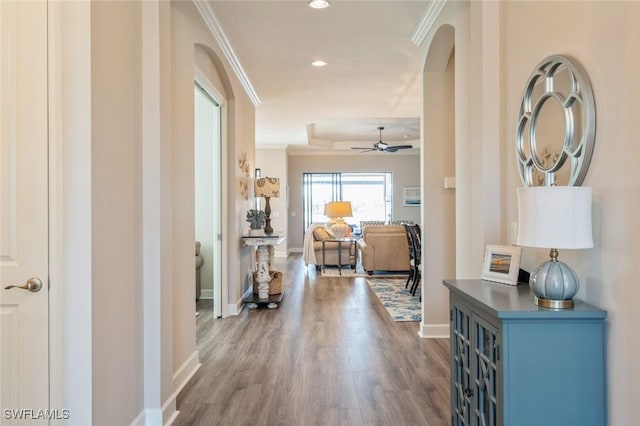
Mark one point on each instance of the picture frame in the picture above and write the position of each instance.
(411, 196)
(501, 264)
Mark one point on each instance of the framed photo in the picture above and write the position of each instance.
(411, 197)
(501, 264)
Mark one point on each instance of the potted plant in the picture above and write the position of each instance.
(256, 219)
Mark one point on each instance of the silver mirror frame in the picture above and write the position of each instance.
(578, 157)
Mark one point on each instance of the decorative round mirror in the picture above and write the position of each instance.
(556, 126)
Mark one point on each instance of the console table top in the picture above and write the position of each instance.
(516, 302)
(264, 240)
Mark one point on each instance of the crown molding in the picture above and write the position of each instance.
(212, 23)
(426, 21)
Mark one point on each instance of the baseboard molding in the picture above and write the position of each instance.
(181, 377)
(168, 413)
(235, 309)
(140, 420)
(165, 416)
(206, 293)
(186, 371)
(434, 331)
(295, 250)
(171, 419)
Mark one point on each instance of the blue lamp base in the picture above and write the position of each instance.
(554, 283)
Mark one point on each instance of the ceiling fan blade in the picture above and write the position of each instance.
(357, 147)
(397, 147)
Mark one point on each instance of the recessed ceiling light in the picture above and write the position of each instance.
(318, 4)
(318, 63)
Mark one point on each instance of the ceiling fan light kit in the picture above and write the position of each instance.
(383, 146)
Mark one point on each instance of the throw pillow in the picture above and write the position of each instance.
(321, 233)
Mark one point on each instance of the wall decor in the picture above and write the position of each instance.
(245, 168)
(411, 196)
(244, 187)
(501, 264)
(244, 165)
(555, 132)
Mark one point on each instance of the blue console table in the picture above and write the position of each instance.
(514, 363)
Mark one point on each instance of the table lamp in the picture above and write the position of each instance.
(336, 211)
(267, 188)
(554, 217)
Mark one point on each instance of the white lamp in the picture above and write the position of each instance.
(554, 217)
(336, 211)
(267, 187)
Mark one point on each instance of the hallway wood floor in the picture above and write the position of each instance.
(329, 355)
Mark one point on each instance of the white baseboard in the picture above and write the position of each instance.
(206, 293)
(153, 417)
(181, 377)
(434, 331)
(140, 420)
(168, 413)
(186, 371)
(295, 250)
(235, 309)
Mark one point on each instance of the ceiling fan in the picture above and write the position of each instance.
(383, 146)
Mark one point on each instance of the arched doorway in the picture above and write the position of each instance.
(438, 165)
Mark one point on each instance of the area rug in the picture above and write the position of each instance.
(396, 299)
(346, 271)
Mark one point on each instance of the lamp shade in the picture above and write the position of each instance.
(267, 187)
(336, 209)
(554, 217)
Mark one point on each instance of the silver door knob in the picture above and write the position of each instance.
(33, 284)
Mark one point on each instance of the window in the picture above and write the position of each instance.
(370, 195)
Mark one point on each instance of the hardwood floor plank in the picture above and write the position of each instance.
(329, 355)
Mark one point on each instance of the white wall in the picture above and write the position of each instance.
(603, 37)
(273, 163)
(189, 34)
(503, 41)
(438, 162)
(123, 322)
(116, 194)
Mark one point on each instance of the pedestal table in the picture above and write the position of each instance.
(264, 257)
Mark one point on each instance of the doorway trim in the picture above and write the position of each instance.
(219, 290)
(70, 202)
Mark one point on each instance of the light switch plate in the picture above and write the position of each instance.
(449, 182)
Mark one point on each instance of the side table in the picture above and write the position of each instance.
(264, 258)
(340, 241)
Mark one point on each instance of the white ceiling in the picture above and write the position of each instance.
(371, 80)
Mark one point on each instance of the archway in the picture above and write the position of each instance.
(438, 182)
(210, 116)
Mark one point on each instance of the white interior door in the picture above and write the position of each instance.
(24, 345)
(208, 178)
